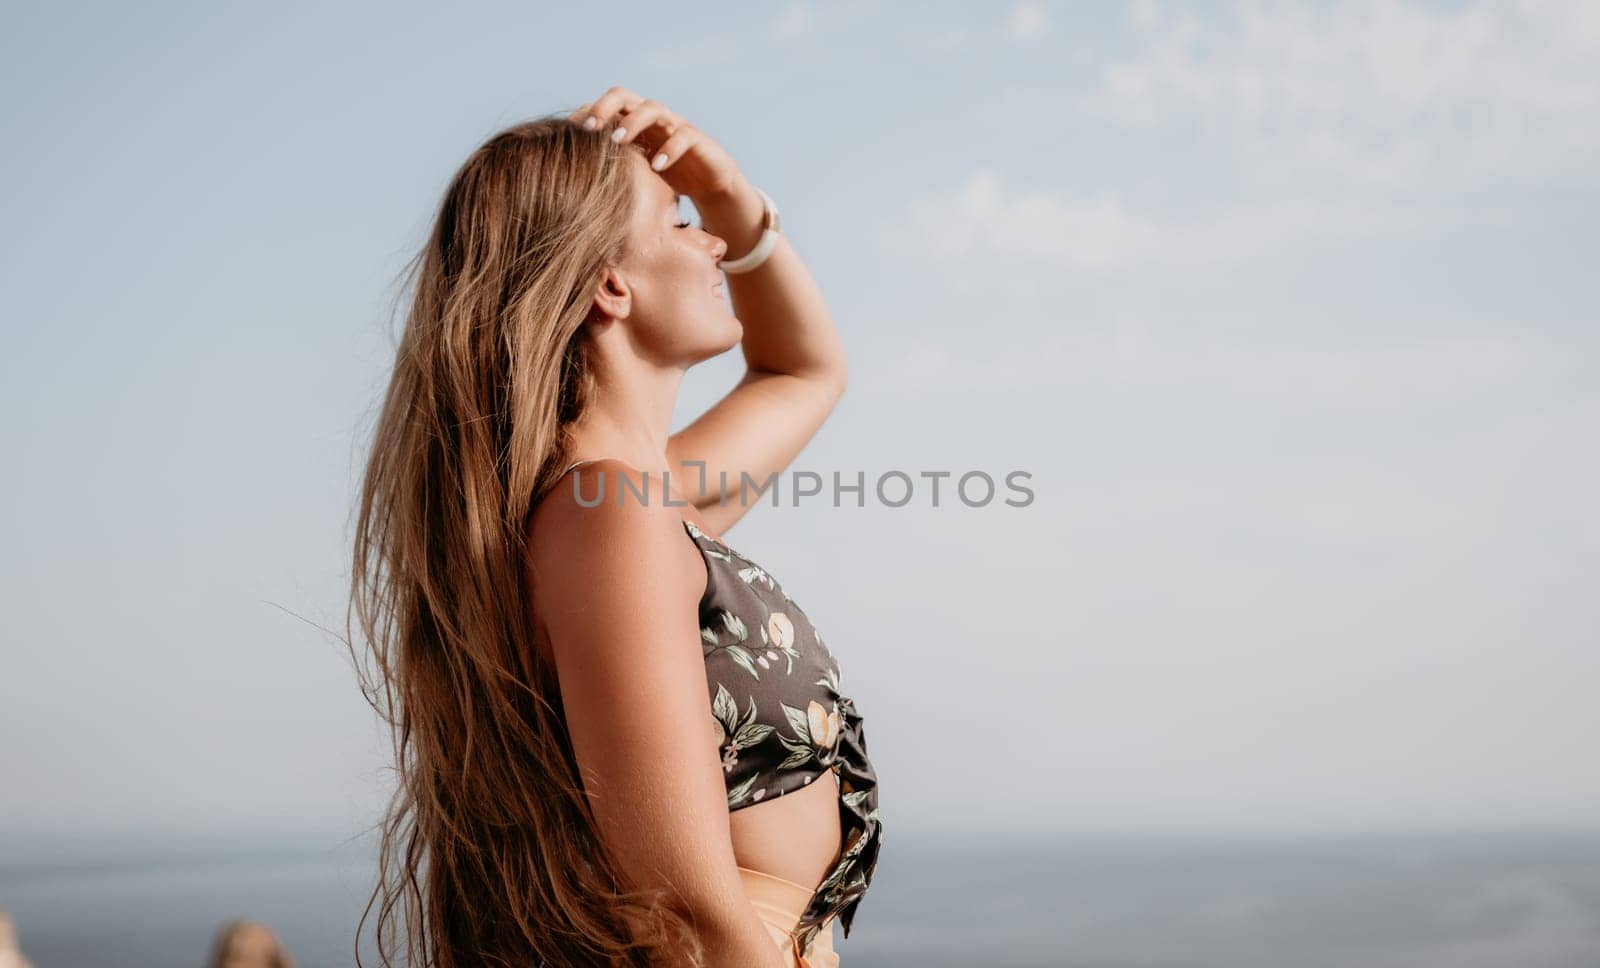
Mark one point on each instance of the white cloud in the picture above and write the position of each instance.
(1350, 379)
(1363, 378)
(1028, 20)
(933, 365)
(1100, 232)
(1382, 92)
(1355, 120)
(796, 19)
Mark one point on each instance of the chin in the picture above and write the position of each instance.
(732, 332)
(713, 345)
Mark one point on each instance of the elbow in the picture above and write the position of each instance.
(732, 940)
(728, 933)
(836, 379)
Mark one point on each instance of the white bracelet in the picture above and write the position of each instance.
(764, 247)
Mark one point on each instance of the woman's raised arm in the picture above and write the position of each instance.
(794, 355)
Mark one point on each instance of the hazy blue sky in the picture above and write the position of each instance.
(1290, 313)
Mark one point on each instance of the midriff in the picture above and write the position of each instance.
(795, 837)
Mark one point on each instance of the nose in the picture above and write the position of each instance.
(719, 247)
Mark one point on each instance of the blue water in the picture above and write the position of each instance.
(1459, 901)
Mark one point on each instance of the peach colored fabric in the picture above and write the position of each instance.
(780, 903)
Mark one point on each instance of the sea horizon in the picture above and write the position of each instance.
(1444, 899)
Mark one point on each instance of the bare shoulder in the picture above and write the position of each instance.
(618, 552)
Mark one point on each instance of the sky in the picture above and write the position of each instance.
(1284, 309)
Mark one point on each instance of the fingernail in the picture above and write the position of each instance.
(659, 162)
(619, 134)
(589, 123)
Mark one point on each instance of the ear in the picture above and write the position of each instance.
(613, 298)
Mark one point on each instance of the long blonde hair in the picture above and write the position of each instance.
(490, 855)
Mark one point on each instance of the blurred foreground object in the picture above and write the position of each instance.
(10, 955)
(245, 944)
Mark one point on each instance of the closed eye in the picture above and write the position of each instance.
(673, 204)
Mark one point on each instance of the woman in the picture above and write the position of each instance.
(607, 722)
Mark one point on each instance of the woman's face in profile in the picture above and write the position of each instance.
(679, 308)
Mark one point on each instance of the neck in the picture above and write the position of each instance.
(630, 418)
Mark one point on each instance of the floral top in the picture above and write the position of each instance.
(782, 721)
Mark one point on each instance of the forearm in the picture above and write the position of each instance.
(787, 327)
